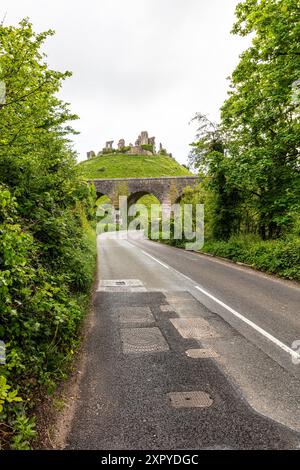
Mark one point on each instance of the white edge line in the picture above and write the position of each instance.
(263, 332)
(155, 259)
(252, 324)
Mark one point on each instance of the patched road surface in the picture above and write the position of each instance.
(167, 368)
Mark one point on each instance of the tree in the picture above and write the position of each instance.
(46, 256)
(209, 156)
(252, 156)
(261, 115)
(33, 133)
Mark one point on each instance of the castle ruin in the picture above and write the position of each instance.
(144, 145)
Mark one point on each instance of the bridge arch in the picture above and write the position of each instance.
(179, 197)
(167, 189)
(134, 197)
(102, 198)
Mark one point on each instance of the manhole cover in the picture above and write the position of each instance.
(195, 399)
(194, 328)
(135, 315)
(143, 340)
(201, 353)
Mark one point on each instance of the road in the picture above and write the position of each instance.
(187, 351)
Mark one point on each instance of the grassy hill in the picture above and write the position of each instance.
(128, 166)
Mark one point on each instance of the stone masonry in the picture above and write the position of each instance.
(167, 189)
(136, 149)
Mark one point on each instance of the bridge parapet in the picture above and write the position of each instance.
(167, 189)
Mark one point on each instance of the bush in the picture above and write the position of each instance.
(41, 310)
(47, 243)
(147, 147)
(125, 149)
(281, 257)
(106, 151)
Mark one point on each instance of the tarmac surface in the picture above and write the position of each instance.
(166, 369)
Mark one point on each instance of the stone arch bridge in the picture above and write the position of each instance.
(167, 189)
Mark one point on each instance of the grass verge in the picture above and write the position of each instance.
(280, 257)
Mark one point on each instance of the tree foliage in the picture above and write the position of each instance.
(252, 157)
(46, 258)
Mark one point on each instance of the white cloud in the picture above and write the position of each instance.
(138, 64)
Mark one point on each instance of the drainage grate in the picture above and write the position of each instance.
(135, 315)
(143, 340)
(195, 399)
(121, 282)
(121, 285)
(201, 353)
(194, 328)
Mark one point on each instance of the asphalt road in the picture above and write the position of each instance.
(158, 309)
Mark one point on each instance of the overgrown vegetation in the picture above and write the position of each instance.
(280, 256)
(250, 162)
(47, 242)
(251, 159)
(148, 147)
(131, 166)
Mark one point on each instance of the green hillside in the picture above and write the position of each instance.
(128, 166)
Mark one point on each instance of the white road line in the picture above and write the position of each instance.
(131, 244)
(155, 259)
(284, 347)
(263, 332)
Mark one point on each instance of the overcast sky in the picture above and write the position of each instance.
(137, 64)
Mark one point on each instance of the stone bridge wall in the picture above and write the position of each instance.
(167, 189)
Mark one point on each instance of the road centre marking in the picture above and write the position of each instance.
(277, 342)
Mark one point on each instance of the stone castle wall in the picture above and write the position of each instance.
(137, 149)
